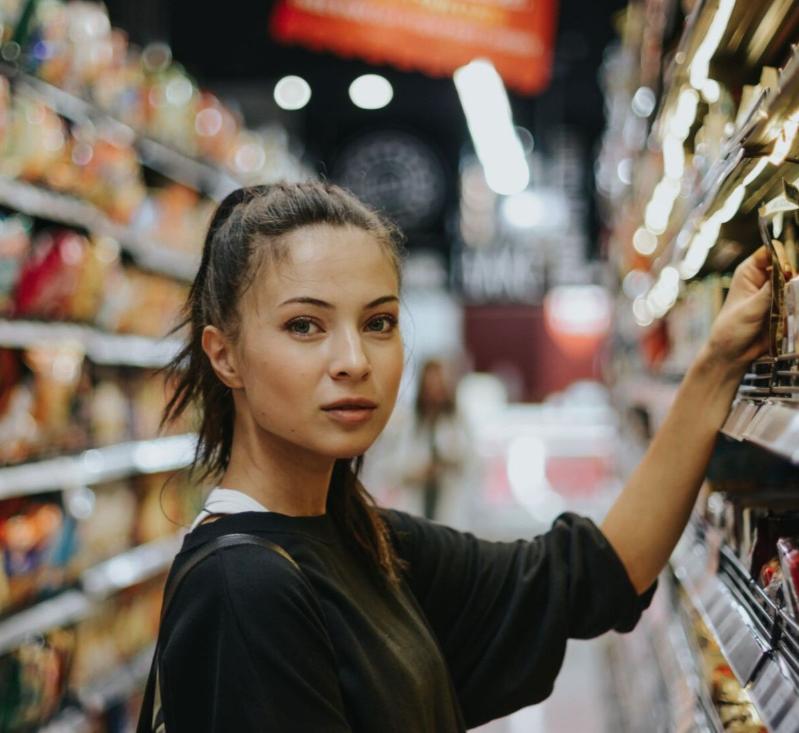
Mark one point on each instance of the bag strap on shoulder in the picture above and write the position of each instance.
(202, 552)
(151, 715)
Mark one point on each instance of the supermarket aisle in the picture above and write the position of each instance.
(578, 702)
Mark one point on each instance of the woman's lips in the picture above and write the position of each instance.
(354, 415)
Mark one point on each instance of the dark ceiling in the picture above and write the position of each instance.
(226, 46)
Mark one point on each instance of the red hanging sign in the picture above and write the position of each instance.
(433, 36)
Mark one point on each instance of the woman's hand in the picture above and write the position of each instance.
(740, 332)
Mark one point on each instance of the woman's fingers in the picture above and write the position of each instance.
(751, 275)
(755, 267)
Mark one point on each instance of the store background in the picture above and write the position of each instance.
(554, 308)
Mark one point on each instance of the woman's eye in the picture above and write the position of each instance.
(382, 324)
(302, 327)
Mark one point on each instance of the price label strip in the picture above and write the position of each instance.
(775, 698)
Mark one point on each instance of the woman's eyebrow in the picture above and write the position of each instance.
(324, 304)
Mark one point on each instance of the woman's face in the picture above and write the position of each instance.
(317, 329)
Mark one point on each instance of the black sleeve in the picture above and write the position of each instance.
(246, 650)
(503, 611)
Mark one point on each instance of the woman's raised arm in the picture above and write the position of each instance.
(647, 519)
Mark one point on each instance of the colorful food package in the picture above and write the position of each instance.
(141, 303)
(50, 279)
(15, 243)
(34, 679)
(107, 173)
(176, 217)
(789, 562)
(60, 386)
(770, 578)
(769, 528)
(34, 146)
(36, 544)
(19, 432)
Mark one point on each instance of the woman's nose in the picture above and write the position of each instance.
(349, 360)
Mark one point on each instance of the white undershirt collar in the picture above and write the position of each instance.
(227, 501)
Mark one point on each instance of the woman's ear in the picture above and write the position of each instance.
(220, 353)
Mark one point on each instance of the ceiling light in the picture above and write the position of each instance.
(371, 91)
(292, 93)
(488, 116)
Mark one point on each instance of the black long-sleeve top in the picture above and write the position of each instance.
(474, 631)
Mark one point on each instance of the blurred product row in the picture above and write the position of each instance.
(111, 160)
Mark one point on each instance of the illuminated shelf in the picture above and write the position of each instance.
(99, 347)
(758, 640)
(131, 567)
(98, 465)
(61, 610)
(770, 425)
(175, 165)
(38, 202)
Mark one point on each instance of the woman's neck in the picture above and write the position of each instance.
(280, 475)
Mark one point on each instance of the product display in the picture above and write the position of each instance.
(53, 401)
(698, 170)
(111, 159)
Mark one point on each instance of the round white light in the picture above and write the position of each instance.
(644, 241)
(642, 312)
(711, 91)
(371, 91)
(643, 103)
(292, 93)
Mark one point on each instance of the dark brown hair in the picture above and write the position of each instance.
(244, 234)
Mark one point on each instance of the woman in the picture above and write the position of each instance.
(387, 622)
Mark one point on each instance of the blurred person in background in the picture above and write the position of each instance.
(433, 451)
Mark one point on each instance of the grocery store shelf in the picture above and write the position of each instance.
(189, 171)
(115, 687)
(123, 571)
(119, 684)
(758, 640)
(35, 201)
(200, 175)
(688, 700)
(701, 714)
(129, 568)
(66, 608)
(98, 465)
(99, 347)
(769, 424)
